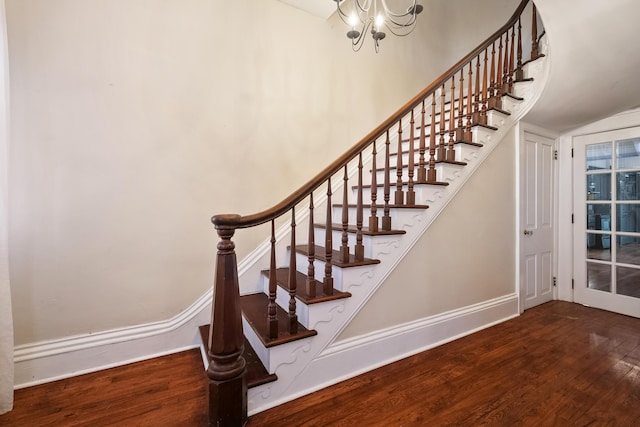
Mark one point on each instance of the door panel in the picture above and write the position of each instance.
(607, 220)
(536, 220)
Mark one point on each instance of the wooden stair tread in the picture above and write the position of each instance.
(351, 205)
(335, 257)
(451, 162)
(257, 374)
(365, 229)
(282, 278)
(254, 309)
(393, 186)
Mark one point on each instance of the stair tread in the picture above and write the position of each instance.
(416, 182)
(351, 205)
(257, 374)
(451, 162)
(335, 257)
(282, 278)
(365, 230)
(254, 309)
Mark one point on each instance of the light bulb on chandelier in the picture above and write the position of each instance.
(375, 15)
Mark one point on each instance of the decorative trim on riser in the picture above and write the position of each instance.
(369, 242)
(352, 357)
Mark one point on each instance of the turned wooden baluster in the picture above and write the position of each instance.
(467, 130)
(498, 89)
(327, 285)
(411, 195)
(399, 195)
(477, 107)
(534, 34)
(511, 60)
(519, 71)
(422, 169)
(344, 248)
(293, 282)
(359, 249)
(485, 100)
(386, 219)
(492, 78)
(505, 67)
(442, 149)
(311, 270)
(273, 286)
(373, 219)
(451, 154)
(226, 373)
(431, 174)
(460, 129)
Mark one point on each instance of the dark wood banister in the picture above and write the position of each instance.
(234, 221)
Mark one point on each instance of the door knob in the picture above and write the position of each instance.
(528, 232)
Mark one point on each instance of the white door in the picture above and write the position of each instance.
(536, 220)
(606, 206)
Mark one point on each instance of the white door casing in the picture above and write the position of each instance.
(536, 223)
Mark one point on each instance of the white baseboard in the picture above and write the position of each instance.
(351, 357)
(53, 360)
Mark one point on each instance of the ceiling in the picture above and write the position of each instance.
(594, 61)
(320, 8)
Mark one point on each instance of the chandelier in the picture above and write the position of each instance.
(376, 16)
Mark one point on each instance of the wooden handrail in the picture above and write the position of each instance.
(234, 221)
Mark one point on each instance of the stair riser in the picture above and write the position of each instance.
(399, 216)
(302, 265)
(425, 194)
(337, 237)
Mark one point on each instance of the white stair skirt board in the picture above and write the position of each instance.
(352, 357)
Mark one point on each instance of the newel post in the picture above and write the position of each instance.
(227, 374)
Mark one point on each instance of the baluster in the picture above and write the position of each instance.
(498, 90)
(359, 249)
(344, 248)
(311, 270)
(519, 71)
(399, 195)
(422, 169)
(386, 219)
(492, 79)
(505, 67)
(467, 131)
(293, 283)
(534, 34)
(460, 129)
(226, 374)
(442, 150)
(271, 308)
(328, 246)
(431, 175)
(511, 60)
(451, 155)
(373, 219)
(485, 101)
(411, 195)
(477, 107)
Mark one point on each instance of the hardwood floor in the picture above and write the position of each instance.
(557, 364)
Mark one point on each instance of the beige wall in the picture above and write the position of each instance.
(133, 121)
(467, 256)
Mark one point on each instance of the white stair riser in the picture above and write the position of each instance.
(351, 237)
(425, 194)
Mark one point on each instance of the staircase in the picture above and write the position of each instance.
(345, 231)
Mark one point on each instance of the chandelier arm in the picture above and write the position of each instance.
(389, 12)
(400, 24)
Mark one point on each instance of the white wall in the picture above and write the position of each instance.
(467, 256)
(134, 121)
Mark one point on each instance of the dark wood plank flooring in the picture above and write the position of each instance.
(557, 364)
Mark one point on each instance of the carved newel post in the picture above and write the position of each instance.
(227, 374)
